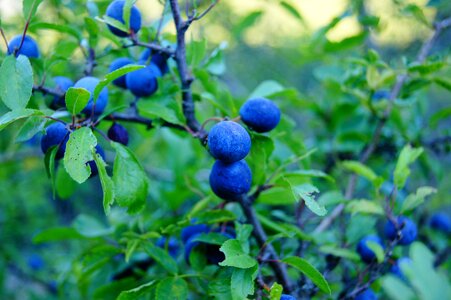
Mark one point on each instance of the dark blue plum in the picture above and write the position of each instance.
(118, 133)
(441, 222)
(92, 163)
(368, 294)
(366, 254)
(160, 59)
(56, 135)
(35, 262)
(229, 181)
(29, 47)
(117, 64)
(408, 232)
(62, 84)
(287, 297)
(173, 245)
(396, 267)
(116, 11)
(260, 114)
(89, 83)
(229, 142)
(143, 82)
(211, 251)
(381, 94)
(191, 230)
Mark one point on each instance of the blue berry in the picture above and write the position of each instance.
(89, 83)
(287, 297)
(116, 11)
(118, 133)
(56, 135)
(381, 94)
(441, 222)
(396, 267)
(117, 64)
(408, 232)
(211, 251)
(29, 47)
(366, 254)
(62, 84)
(160, 59)
(229, 142)
(368, 294)
(35, 262)
(229, 181)
(173, 246)
(260, 114)
(143, 82)
(191, 230)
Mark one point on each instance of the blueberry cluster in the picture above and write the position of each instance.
(229, 143)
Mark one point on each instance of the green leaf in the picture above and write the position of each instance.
(306, 193)
(90, 227)
(417, 13)
(340, 252)
(214, 216)
(29, 8)
(106, 181)
(130, 180)
(137, 292)
(30, 128)
(79, 149)
(310, 271)
(413, 200)
(266, 89)
(277, 196)
(402, 171)
(364, 171)
(276, 291)
(210, 238)
(56, 27)
(157, 110)
(364, 207)
(64, 184)
(309, 173)
(77, 99)
(397, 289)
(112, 76)
(172, 288)
(18, 114)
(57, 234)
(377, 249)
(242, 282)
(292, 10)
(235, 256)
(126, 12)
(49, 161)
(113, 22)
(443, 82)
(16, 81)
(161, 257)
(262, 147)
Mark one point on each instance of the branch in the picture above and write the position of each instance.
(152, 46)
(141, 120)
(366, 154)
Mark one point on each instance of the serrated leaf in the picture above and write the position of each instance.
(106, 182)
(242, 282)
(137, 292)
(407, 156)
(276, 291)
(16, 81)
(235, 256)
(377, 249)
(161, 257)
(172, 289)
(76, 100)
(364, 207)
(110, 77)
(130, 180)
(310, 271)
(414, 200)
(79, 149)
(17, 114)
(307, 192)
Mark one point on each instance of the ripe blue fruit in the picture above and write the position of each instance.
(173, 246)
(287, 297)
(159, 59)
(118, 133)
(92, 163)
(229, 181)
(116, 11)
(381, 94)
(89, 83)
(62, 84)
(368, 294)
(408, 232)
(35, 262)
(143, 82)
(117, 64)
(366, 254)
(191, 230)
(260, 114)
(29, 47)
(56, 135)
(396, 267)
(441, 222)
(229, 142)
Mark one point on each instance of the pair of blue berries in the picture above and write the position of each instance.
(408, 235)
(229, 143)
